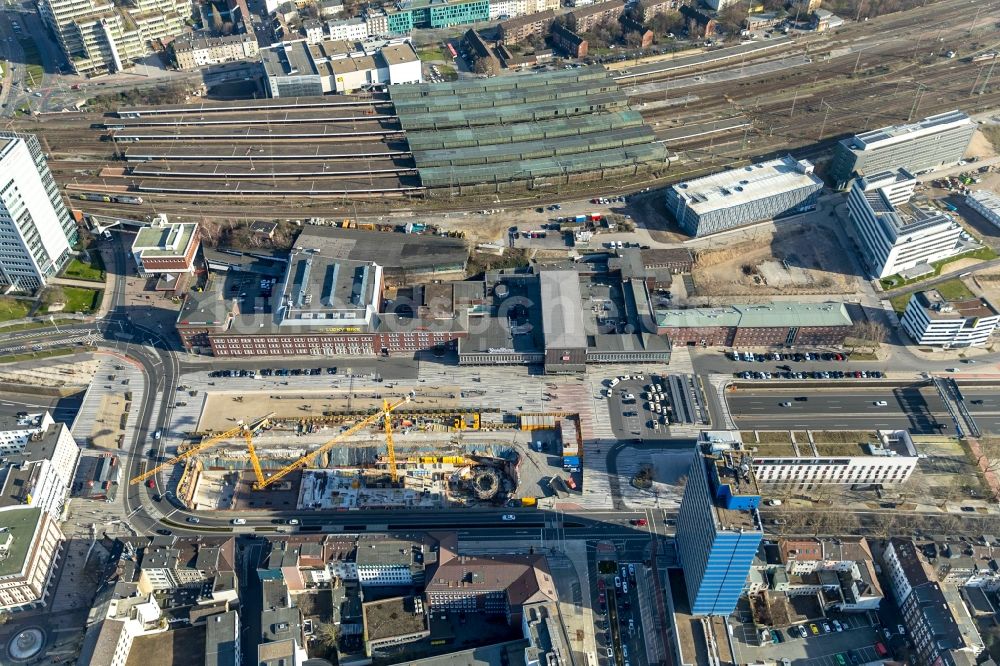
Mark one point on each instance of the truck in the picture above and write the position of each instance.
(580, 218)
(529, 501)
(571, 463)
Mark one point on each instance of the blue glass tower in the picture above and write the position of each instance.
(718, 530)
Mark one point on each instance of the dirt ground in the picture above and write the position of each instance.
(980, 147)
(106, 429)
(796, 261)
(988, 282)
(222, 410)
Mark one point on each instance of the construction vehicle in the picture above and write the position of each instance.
(247, 429)
(304, 461)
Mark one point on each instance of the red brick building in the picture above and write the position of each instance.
(569, 42)
(166, 247)
(770, 325)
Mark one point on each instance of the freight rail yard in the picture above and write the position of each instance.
(392, 449)
(306, 152)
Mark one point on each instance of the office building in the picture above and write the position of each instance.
(504, 585)
(782, 323)
(166, 247)
(298, 69)
(925, 145)
(30, 541)
(931, 319)
(941, 630)
(718, 530)
(102, 36)
(985, 203)
(382, 562)
(801, 462)
(894, 233)
(191, 51)
(36, 230)
(754, 193)
(41, 473)
(377, 22)
(409, 14)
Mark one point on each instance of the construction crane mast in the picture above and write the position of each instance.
(387, 409)
(388, 442)
(247, 429)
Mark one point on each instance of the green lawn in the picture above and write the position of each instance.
(12, 308)
(954, 290)
(31, 356)
(984, 253)
(81, 300)
(33, 61)
(899, 302)
(430, 54)
(36, 324)
(81, 270)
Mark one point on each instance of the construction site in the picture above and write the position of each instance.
(317, 451)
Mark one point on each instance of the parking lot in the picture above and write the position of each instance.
(645, 406)
(854, 644)
(618, 617)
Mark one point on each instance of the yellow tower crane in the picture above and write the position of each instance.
(247, 429)
(388, 442)
(387, 409)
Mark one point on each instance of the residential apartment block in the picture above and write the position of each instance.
(589, 17)
(36, 231)
(506, 9)
(516, 30)
(935, 141)
(895, 233)
(103, 36)
(718, 530)
(936, 621)
(191, 51)
(753, 193)
(931, 319)
(30, 542)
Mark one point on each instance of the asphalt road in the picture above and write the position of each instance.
(917, 409)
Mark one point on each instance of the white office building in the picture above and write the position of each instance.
(895, 234)
(36, 230)
(925, 145)
(888, 461)
(930, 319)
(985, 203)
(346, 30)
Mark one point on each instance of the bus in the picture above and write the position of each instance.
(452, 51)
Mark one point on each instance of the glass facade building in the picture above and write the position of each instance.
(718, 531)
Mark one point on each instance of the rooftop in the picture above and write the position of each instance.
(940, 308)
(192, 42)
(987, 199)
(885, 136)
(318, 287)
(562, 319)
(400, 616)
(525, 578)
(394, 251)
(17, 530)
(164, 239)
(288, 59)
(736, 187)
(390, 552)
(776, 314)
